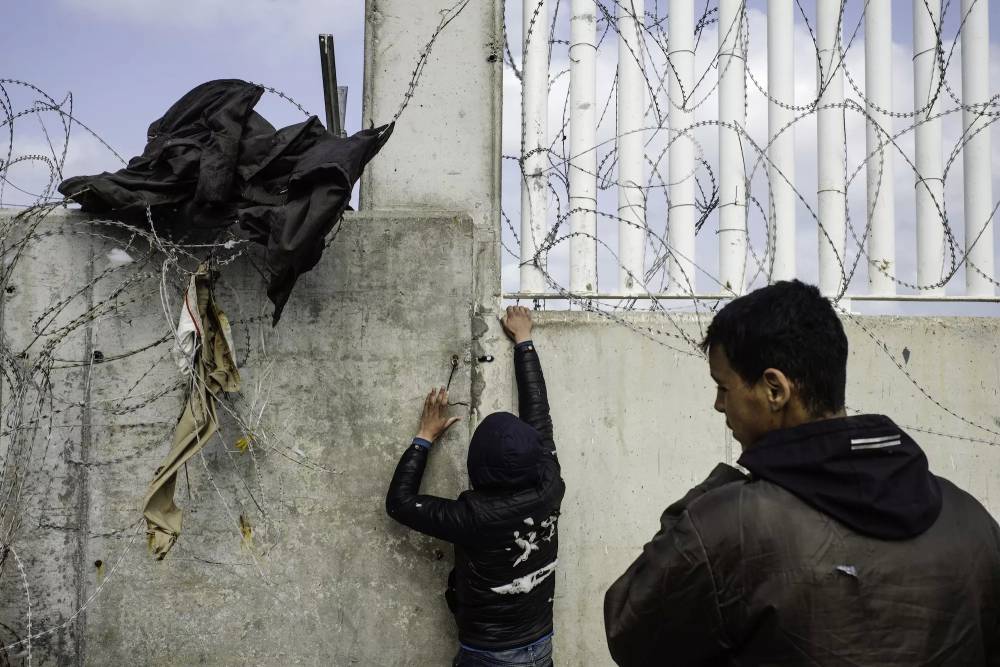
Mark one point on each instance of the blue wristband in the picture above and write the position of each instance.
(420, 442)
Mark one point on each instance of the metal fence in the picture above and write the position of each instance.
(656, 69)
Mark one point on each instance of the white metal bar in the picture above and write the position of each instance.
(534, 142)
(831, 146)
(669, 296)
(732, 178)
(583, 150)
(631, 141)
(680, 216)
(976, 151)
(781, 147)
(929, 185)
(878, 92)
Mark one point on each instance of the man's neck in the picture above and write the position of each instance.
(796, 415)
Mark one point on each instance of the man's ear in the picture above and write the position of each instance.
(778, 389)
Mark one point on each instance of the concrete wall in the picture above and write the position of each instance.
(334, 393)
(445, 153)
(635, 430)
(328, 579)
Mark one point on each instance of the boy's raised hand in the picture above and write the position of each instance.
(434, 419)
(517, 323)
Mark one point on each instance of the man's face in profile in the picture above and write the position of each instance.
(745, 406)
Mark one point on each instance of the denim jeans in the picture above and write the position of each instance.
(538, 654)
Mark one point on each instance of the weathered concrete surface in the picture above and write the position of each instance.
(40, 442)
(445, 151)
(635, 430)
(328, 579)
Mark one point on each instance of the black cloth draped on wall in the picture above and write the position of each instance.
(211, 161)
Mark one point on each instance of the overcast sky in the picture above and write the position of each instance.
(126, 61)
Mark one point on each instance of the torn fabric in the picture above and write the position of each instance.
(212, 371)
(212, 161)
(188, 333)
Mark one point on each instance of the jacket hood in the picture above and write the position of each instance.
(505, 452)
(863, 471)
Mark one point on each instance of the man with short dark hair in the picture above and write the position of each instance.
(839, 548)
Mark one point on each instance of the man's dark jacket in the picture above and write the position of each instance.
(504, 529)
(841, 548)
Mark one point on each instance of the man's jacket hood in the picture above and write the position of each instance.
(864, 471)
(505, 453)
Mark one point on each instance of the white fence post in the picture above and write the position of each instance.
(583, 151)
(878, 93)
(929, 185)
(534, 141)
(781, 148)
(976, 151)
(632, 91)
(631, 146)
(732, 175)
(680, 215)
(831, 141)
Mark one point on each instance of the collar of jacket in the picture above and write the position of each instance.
(864, 471)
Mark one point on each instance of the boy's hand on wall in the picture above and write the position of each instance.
(434, 420)
(517, 323)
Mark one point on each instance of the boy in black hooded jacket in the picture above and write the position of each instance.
(504, 528)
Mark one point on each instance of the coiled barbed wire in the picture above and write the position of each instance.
(37, 410)
(658, 67)
(893, 127)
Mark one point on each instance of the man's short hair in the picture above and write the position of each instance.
(791, 327)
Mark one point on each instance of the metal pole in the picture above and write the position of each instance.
(781, 147)
(534, 142)
(831, 146)
(976, 151)
(583, 151)
(929, 186)
(878, 92)
(331, 95)
(732, 179)
(631, 140)
(680, 216)
(666, 296)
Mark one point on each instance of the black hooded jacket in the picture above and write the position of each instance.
(505, 528)
(841, 548)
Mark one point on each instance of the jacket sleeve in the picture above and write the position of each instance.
(449, 520)
(666, 603)
(993, 649)
(533, 401)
